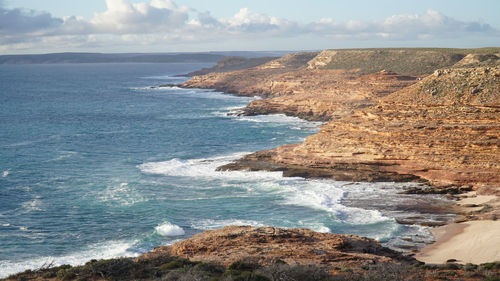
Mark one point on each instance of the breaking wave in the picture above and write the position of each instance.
(168, 229)
(105, 250)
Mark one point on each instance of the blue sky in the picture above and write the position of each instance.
(34, 26)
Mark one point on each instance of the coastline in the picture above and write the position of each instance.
(467, 241)
(439, 180)
(447, 237)
(432, 253)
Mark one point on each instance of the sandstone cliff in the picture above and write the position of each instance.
(253, 81)
(444, 130)
(290, 88)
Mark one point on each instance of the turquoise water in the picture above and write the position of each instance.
(94, 164)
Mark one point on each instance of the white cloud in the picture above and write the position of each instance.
(25, 21)
(121, 17)
(163, 22)
(430, 25)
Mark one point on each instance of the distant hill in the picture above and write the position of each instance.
(407, 61)
(208, 57)
(454, 86)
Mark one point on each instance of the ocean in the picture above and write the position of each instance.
(95, 164)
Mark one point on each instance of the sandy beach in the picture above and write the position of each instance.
(467, 242)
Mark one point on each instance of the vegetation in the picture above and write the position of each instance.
(407, 61)
(169, 268)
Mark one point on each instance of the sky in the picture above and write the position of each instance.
(111, 26)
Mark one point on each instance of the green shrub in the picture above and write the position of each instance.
(243, 266)
(491, 265)
(65, 274)
(470, 267)
(50, 274)
(173, 265)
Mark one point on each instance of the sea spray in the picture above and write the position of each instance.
(168, 229)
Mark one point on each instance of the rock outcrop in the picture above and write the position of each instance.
(255, 81)
(268, 245)
(442, 128)
(288, 87)
(326, 94)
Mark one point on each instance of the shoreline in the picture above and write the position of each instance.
(415, 128)
(450, 235)
(467, 241)
(447, 236)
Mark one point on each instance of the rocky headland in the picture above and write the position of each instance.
(422, 115)
(267, 245)
(437, 123)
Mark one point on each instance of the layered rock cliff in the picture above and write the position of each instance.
(442, 128)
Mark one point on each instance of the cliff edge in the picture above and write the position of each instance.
(443, 130)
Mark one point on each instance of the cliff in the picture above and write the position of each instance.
(253, 81)
(441, 128)
(290, 88)
(407, 61)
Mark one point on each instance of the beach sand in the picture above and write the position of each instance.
(473, 198)
(469, 242)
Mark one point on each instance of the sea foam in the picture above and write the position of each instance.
(169, 229)
(290, 121)
(215, 224)
(204, 167)
(326, 195)
(322, 195)
(107, 250)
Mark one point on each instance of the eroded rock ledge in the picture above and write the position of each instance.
(442, 129)
(267, 245)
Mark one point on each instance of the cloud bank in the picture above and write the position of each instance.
(163, 22)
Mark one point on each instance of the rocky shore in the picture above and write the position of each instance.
(267, 245)
(391, 115)
(442, 129)
(266, 254)
(445, 139)
(420, 115)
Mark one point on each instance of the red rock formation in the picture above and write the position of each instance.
(443, 129)
(267, 245)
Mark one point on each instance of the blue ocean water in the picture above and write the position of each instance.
(95, 164)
